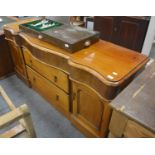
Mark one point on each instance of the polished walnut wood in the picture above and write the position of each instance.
(88, 79)
(90, 110)
(54, 75)
(101, 59)
(18, 60)
(111, 63)
(99, 67)
(47, 89)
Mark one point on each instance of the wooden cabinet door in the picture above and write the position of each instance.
(125, 31)
(104, 25)
(90, 112)
(17, 58)
(131, 33)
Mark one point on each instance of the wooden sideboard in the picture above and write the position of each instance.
(80, 85)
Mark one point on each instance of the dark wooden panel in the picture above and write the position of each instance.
(131, 33)
(105, 26)
(6, 65)
(128, 34)
(127, 31)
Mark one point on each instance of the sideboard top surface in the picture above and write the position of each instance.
(112, 62)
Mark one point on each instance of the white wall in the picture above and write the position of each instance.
(150, 36)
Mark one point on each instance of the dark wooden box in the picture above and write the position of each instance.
(68, 37)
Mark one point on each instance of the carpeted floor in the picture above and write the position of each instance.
(48, 122)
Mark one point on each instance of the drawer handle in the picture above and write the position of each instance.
(30, 62)
(57, 97)
(34, 79)
(55, 79)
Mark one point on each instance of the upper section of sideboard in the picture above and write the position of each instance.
(109, 63)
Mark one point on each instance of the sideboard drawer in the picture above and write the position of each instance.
(48, 90)
(55, 75)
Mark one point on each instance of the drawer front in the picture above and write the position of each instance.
(48, 90)
(134, 130)
(56, 76)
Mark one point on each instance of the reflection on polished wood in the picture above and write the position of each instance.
(84, 82)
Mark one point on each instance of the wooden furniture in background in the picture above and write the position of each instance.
(18, 60)
(77, 21)
(80, 85)
(6, 65)
(24, 128)
(134, 108)
(123, 126)
(17, 55)
(122, 30)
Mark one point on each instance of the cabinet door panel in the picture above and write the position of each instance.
(90, 111)
(128, 34)
(131, 32)
(89, 107)
(17, 58)
(105, 26)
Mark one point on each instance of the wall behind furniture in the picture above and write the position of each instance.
(150, 37)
